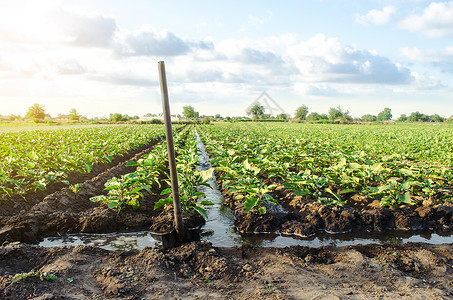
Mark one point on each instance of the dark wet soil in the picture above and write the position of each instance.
(305, 217)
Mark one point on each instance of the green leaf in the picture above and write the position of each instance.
(270, 198)
(88, 167)
(406, 198)
(406, 172)
(112, 187)
(302, 193)
(334, 194)
(201, 211)
(262, 210)
(166, 191)
(145, 187)
(132, 164)
(206, 202)
(347, 191)
(114, 204)
(250, 203)
(100, 198)
(163, 202)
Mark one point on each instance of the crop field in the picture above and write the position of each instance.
(33, 159)
(290, 179)
(395, 164)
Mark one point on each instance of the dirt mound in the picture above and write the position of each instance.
(304, 217)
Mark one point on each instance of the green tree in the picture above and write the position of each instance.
(257, 111)
(384, 115)
(337, 114)
(418, 117)
(301, 112)
(402, 118)
(117, 117)
(315, 117)
(282, 116)
(368, 118)
(436, 118)
(74, 115)
(189, 112)
(36, 112)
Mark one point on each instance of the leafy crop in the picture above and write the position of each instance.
(31, 160)
(128, 190)
(329, 164)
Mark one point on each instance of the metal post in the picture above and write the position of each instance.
(171, 152)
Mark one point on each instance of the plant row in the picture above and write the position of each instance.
(31, 160)
(392, 164)
(152, 175)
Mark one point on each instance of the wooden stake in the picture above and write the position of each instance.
(171, 152)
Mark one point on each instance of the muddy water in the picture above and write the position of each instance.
(219, 229)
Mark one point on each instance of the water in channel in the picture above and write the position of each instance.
(219, 229)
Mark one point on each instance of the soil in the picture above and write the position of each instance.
(198, 270)
(305, 217)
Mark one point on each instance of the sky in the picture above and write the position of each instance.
(101, 56)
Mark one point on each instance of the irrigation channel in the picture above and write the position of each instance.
(219, 229)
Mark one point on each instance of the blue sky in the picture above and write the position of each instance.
(101, 56)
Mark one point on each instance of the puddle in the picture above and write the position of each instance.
(111, 241)
(219, 230)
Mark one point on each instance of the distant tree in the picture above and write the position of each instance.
(368, 118)
(282, 116)
(74, 115)
(117, 117)
(14, 117)
(418, 117)
(36, 112)
(384, 115)
(301, 112)
(257, 111)
(402, 118)
(189, 112)
(436, 118)
(218, 116)
(450, 119)
(314, 117)
(337, 114)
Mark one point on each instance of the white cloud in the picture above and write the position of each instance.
(435, 21)
(442, 59)
(257, 22)
(322, 59)
(85, 30)
(376, 17)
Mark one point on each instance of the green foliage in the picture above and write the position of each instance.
(301, 112)
(418, 117)
(402, 118)
(384, 115)
(189, 112)
(31, 160)
(338, 115)
(257, 111)
(74, 115)
(314, 117)
(327, 163)
(36, 112)
(368, 118)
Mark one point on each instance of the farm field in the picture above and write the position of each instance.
(294, 179)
